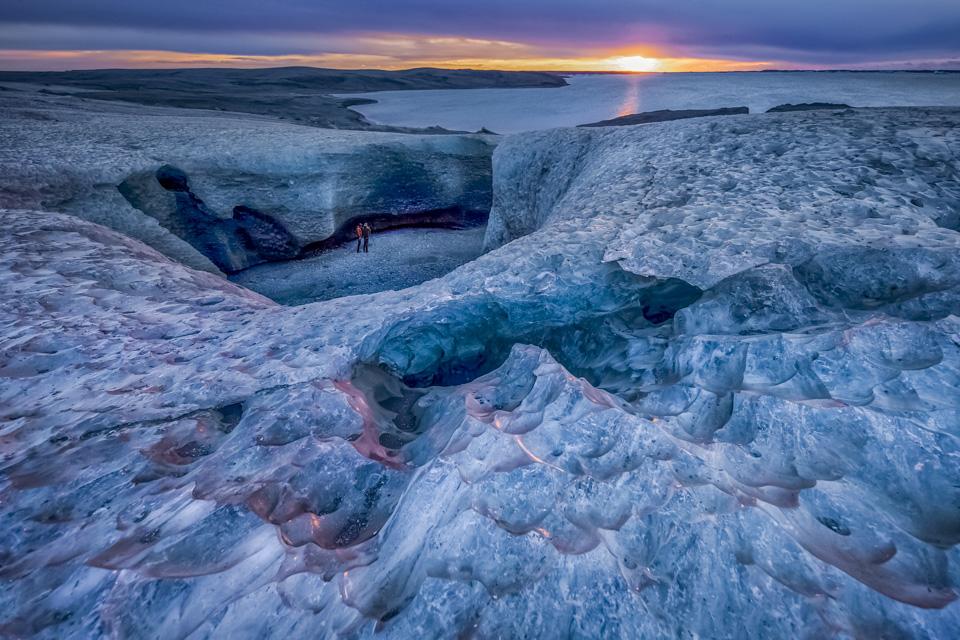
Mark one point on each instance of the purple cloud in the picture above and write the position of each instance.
(809, 31)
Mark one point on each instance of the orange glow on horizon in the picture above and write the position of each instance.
(622, 62)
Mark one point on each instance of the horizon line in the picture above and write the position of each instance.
(531, 70)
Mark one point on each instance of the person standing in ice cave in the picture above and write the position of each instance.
(359, 232)
(366, 237)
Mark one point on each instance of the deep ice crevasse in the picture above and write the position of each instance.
(591, 431)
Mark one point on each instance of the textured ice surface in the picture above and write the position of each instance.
(99, 161)
(740, 423)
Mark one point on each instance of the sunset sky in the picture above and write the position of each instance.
(623, 35)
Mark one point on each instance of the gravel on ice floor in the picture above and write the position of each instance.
(397, 259)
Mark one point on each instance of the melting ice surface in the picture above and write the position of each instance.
(591, 98)
(705, 387)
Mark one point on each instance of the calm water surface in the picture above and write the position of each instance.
(590, 98)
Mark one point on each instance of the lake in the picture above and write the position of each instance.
(590, 98)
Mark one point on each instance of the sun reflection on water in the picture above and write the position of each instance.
(631, 100)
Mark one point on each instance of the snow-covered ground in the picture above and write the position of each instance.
(708, 389)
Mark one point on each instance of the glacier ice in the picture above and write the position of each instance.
(703, 385)
(105, 162)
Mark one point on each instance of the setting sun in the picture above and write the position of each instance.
(635, 63)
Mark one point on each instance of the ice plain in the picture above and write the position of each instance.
(704, 384)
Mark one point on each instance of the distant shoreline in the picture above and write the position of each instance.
(313, 96)
(309, 96)
(653, 73)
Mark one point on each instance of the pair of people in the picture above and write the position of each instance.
(363, 234)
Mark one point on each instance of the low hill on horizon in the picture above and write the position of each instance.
(297, 94)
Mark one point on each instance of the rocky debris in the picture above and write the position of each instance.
(665, 115)
(448, 218)
(808, 106)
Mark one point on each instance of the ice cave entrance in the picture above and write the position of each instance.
(259, 251)
(399, 257)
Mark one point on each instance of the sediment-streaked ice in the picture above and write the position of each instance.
(707, 386)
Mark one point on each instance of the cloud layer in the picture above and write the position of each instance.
(800, 33)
